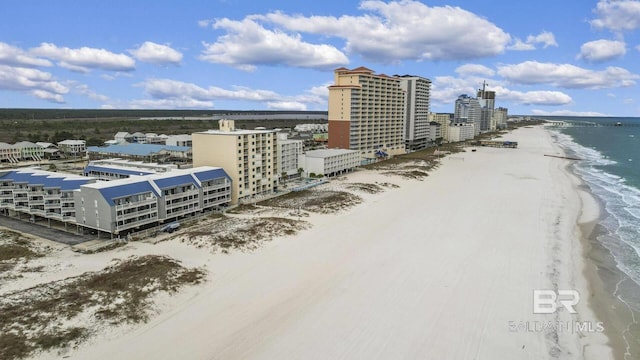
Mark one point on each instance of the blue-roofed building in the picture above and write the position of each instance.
(113, 169)
(141, 152)
(126, 205)
(40, 193)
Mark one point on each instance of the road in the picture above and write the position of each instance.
(43, 231)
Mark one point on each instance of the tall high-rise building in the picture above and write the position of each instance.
(487, 101)
(366, 112)
(468, 110)
(250, 157)
(417, 101)
(500, 116)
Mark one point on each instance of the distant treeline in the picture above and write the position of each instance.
(50, 114)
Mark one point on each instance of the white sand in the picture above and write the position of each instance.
(436, 269)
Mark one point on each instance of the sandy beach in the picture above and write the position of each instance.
(439, 268)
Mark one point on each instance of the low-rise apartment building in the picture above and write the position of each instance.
(114, 169)
(329, 162)
(122, 206)
(461, 132)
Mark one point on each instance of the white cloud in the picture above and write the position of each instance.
(11, 55)
(170, 104)
(537, 97)
(248, 44)
(286, 105)
(165, 93)
(545, 38)
(566, 75)
(84, 59)
(404, 30)
(617, 15)
(474, 69)
(86, 91)
(602, 50)
(567, 113)
(157, 54)
(33, 81)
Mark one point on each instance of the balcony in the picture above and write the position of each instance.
(153, 212)
(129, 205)
(187, 193)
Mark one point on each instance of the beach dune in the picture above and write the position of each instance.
(443, 268)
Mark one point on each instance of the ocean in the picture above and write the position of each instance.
(611, 170)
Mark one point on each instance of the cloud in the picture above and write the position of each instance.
(538, 97)
(248, 44)
(446, 90)
(286, 105)
(32, 81)
(84, 59)
(166, 93)
(86, 91)
(14, 56)
(602, 50)
(566, 75)
(545, 38)
(567, 113)
(404, 30)
(156, 54)
(617, 15)
(474, 69)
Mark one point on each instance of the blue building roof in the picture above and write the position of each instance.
(136, 149)
(47, 180)
(206, 175)
(113, 170)
(126, 189)
(173, 181)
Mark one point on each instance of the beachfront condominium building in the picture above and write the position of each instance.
(445, 121)
(435, 135)
(39, 193)
(468, 110)
(250, 157)
(500, 116)
(487, 100)
(126, 205)
(289, 151)
(329, 162)
(114, 169)
(366, 112)
(461, 132)
(417, 100)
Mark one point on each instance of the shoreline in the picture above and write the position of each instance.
(603, 275)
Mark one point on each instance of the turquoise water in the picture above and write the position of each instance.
(611, 170)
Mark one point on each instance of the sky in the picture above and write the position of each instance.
(545, 57)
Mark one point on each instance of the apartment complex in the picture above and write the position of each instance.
(329, 162)
(114, 169)
(500, 116)
(250, 157)
(445, 121)
(487, 100)
(461, 132)
(468, 110)
(125, 205)
(288, 153)
(366, 112)
(417, 102)
(40, 193)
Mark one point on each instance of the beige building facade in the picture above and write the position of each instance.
(250, 158)
(366, 112)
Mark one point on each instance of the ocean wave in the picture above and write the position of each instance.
(621, 203)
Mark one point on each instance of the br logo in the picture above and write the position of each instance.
(546, 301)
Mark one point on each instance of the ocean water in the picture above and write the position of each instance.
(611, 170)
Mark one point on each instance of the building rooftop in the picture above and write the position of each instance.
(47, 179)
(137, 149)
(328, 152)
(236, 132)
